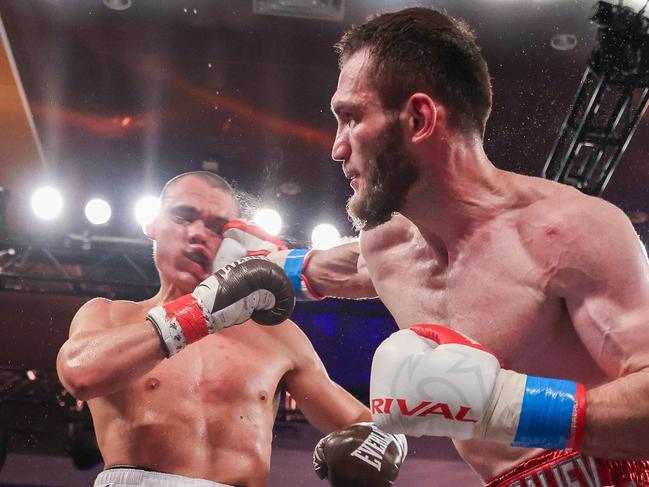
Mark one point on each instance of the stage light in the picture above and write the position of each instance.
(563, 42)
(97, 211)
(309, 9)
(269, 220)
(47, 203)
(118, 4)
(325, 236)
(146, 209)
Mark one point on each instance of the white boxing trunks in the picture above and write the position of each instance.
(573, 469)
(132, 477)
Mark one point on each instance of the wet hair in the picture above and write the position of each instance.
(420, 49)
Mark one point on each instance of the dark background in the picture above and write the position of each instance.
(124, 100)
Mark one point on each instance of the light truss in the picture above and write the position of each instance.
(113, 267)
(610, 101)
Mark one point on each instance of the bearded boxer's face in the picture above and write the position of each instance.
(391, 173)
(188, 230)
(369, 142)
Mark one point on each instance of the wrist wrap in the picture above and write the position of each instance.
(181, 322)
(553, 414)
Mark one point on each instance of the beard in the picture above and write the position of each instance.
(391, 174)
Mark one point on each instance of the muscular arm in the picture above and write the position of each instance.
(102, 356)
(340, 272)
(603, 274)
(324, 403)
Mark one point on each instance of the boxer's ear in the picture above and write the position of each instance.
(149, 229)
(421, 114)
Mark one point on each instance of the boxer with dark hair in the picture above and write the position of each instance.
(554, 284)
(183, 387)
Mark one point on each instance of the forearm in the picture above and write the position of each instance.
(335, 272)
(325, 404)
(352, 411)
(617, 418)
(98, 363)
(345, 411)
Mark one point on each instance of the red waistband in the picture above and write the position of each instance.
(573, 469)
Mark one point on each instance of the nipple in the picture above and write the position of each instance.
(152, 384)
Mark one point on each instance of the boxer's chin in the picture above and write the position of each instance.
(391, 176)
(369, 208)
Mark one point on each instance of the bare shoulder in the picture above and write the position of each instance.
(570, 230)
(297, 344)
(393, 232)
(567, 215)
(290, 334)
(104, 313)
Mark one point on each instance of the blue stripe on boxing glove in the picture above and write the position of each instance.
(293, 268)
(546, 419)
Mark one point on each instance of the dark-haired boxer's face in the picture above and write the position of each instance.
(391, 172)
(370, 144)
(188, 231)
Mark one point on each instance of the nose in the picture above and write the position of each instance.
(341, 149)
(198, 232)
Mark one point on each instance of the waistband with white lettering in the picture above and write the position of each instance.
(570, 468)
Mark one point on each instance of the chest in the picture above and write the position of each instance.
(491, 290)
(231, 366)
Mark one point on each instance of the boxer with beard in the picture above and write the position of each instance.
(523, 304)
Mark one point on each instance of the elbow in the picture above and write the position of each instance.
(362, 288)
(364, 417)
(79, 391)
(76, 379)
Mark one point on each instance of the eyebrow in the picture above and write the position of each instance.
(194, 211)
(185, 208)
(343, 106)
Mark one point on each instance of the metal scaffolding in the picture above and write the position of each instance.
(610, 101)
(84, 265)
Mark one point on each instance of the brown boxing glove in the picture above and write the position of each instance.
(360, 455)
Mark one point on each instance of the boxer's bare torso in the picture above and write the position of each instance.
(493, 288)
(207, 412)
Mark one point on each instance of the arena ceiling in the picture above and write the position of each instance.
(124, 99)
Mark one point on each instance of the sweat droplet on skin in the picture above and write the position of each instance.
(150, 416)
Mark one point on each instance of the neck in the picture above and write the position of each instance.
(170, 291)
(458, 190)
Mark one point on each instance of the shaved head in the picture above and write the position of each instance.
(214, 180)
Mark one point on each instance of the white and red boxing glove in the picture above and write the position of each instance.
(431, 380)
(251, 288)
(241, 239)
